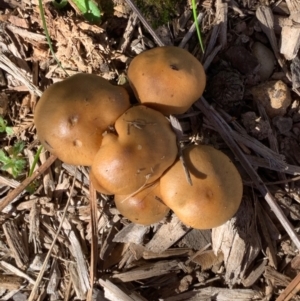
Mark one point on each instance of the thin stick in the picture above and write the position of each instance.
(94, 239)
(18, 190)
(35, 288)
(145, 23)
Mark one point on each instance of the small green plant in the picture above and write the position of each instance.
(5, 128)
(88, 8)
(11, 161)
(197, 25)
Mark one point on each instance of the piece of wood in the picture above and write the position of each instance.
(76, 250)
(197, 239)
(173, 230)
(276, 278)
(132, 233)
(114, 293)
(218, 294)
(255, 274)
(291, 290)
(149, 270)
(10, 282)
(175, 252)
(15, 243)
(239, 242)
(16, 271)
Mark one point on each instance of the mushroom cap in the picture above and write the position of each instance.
(96, 185)
(168, 79)
(144, 148)
(72, 115)
(144, 207)
(215, 195)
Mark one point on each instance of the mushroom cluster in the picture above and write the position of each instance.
(132, 149)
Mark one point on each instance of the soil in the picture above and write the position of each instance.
(60, 240)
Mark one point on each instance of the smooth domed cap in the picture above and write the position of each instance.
(143, 148)
(72, 115)
(215, 195)
(168, 79)
(144, 207)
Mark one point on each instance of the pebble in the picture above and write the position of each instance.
(265, 58)
(284, 124)
(274, 96)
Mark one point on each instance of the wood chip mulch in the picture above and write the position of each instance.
(57, 234)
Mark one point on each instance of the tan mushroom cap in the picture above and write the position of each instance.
(72, 115)
(215, 195)
(144, 207)
(96, 185)
(168, 79)
(144, 148)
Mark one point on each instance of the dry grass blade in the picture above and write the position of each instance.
(12, 195)
(225, 131)
(17, 73)
(145, 23)
(36, 286)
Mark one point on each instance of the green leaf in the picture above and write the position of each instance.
(17, 148)
(3, 157)
(7, 166)
(2, 125)
(9, 130)
(60, 4)
(18, 167)
(197, 25)
(89, 9)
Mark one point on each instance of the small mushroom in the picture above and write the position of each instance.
(72, 115)
(96, 185)
(144, 207)
(215, 195)
(144, 147)
(168, 79)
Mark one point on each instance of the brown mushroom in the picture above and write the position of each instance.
(144, 207)
(168, 79)
(72, 115)
(96, 185)
(144, 148)
(216, 192)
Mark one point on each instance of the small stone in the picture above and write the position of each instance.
(255, 126)
(274, 96)
(284, 124)
(265, 58)
(242, 60)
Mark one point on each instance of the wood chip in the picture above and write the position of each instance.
(133, 233)
(16, 271)
(149, 270)
(113, 293)
(291, 290)
(219, 294)
(276, 278)
(173, 230)
(10, 282)
(15, 243)
(238, 241)
(81, 267)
